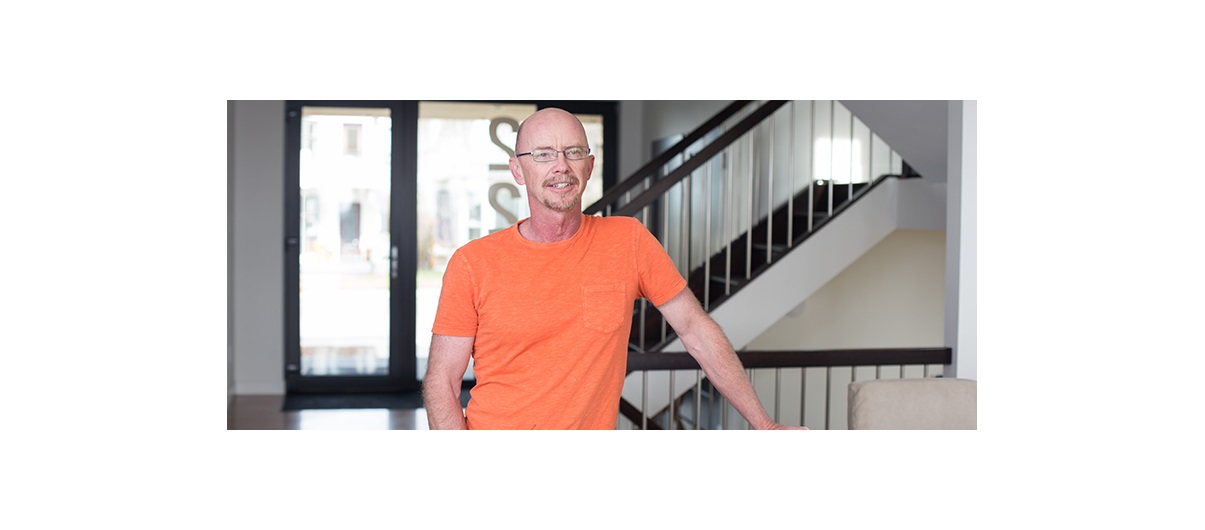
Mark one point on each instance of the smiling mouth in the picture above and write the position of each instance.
(561, 185)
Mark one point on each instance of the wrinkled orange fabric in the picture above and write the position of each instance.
(551, 320)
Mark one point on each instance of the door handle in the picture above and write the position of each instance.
(393, 262)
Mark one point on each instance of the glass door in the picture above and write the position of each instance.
(343, 240)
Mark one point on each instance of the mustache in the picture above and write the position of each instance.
(572, 180)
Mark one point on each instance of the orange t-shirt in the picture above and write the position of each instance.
(551, 320)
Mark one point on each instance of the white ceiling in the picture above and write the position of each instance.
(916, 129)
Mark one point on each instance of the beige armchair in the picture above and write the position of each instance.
(930, 403)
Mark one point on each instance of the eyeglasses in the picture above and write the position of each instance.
(548, 155)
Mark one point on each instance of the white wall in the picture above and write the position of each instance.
(229, 250)
(631, 137)
(961, 215)
(256, 279)
(667, 118)
(891, 297)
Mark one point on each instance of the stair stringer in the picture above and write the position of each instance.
(787, 283)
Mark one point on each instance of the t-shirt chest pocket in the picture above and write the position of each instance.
(603, 306)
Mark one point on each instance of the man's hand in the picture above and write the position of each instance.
(781, 427)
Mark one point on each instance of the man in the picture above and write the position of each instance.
(544, 307)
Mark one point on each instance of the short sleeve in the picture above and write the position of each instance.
(456, 315)
(659, 277)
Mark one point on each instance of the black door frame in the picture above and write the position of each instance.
(403, 233)
(403, 169)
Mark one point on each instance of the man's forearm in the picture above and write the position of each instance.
(446, 364)
(710, 347)
(443, 405)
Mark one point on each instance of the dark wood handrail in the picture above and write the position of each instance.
(797, 358)
(781, 359)
(703, 156)
(660, 160)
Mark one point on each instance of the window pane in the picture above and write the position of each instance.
(344, 263)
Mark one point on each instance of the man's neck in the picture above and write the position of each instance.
(550, 227)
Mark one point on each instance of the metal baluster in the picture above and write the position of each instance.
(828, 385)
(870, 178)
(683, 222)
(644, 303)
(723, 413)
(671, 401)
(644, 402)
(791, 180)
(853, 378)
(710, 404)
(728, 214)
(849, 196)
(749, 374)
(664, 230)
(698, 399)
(686, 225)
(777, 391)
(770, 196)
(707, 236)
(803, 395)
(832, 151)
(749, 226)
(812, 166)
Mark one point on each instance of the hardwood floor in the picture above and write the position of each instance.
(264, 413)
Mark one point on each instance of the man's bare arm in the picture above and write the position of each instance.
(446, 364)
(707, 343)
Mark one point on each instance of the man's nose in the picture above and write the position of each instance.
(561, 164)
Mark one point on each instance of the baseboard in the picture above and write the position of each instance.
(260, 388)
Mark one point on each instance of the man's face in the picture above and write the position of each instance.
(556, 185)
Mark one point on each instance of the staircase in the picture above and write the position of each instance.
(753, 226)
(728, 270)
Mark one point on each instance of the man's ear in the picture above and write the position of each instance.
(516, 171)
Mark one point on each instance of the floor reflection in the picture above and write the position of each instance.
(264, 413)
(362, 419)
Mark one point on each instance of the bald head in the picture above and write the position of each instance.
(544, 120)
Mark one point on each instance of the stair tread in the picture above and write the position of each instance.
(775, 246)
(735, 280)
